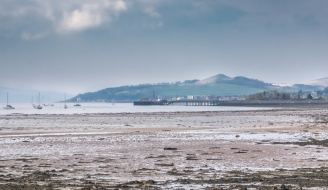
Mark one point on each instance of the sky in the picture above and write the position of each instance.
(79, 46)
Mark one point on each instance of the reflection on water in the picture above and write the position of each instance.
(58, 108)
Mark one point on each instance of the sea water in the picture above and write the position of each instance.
(58, 108)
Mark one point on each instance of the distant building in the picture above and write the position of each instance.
(211, 97)
(144, 99)
(199, 98)
(190, 97)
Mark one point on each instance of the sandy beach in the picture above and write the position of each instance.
(257, 149)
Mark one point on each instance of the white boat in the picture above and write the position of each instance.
(8, 107)
(43, 104)
(32, 104)
(77, 102)
(65, 107)
(49, 102)
(38, 106)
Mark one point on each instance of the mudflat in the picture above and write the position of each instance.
(263, 149)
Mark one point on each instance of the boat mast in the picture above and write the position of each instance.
(7, 98)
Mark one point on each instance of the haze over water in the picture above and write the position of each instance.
(58, 108)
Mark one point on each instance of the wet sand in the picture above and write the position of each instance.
(263, 149)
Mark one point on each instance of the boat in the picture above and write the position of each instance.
(43, 104)
(48, 103)
(8, 107)
(32, 104)
(77, 102)
(38, 106)
(65, 107)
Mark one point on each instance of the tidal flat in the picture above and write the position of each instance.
(255, 149)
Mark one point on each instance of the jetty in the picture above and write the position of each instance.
(179, 103)
(256, 103)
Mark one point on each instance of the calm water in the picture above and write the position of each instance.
(58, 108)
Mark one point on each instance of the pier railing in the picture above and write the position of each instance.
(233, 103)
(195, 102)
(180, 103)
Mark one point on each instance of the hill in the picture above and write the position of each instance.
(239, 80)
(318, 82)
(132, 93)
(218, 85)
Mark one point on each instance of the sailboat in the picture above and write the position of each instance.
(65, 107)
(49, 102)
(8, 107)
(43, 104)
(39, 106)
(32, 104)
(77, 102)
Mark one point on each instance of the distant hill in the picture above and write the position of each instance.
(239, 80)
(214, 79)
(218, 85)
(318, 82)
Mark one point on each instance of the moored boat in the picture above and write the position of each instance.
(65, 107)
(32, 104)
(8, 107)
(38, 106)
(48, 103)
(77, 102)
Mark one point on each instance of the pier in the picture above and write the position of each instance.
(150, 103)
(195, 102)
(256, 103)
(180, 103)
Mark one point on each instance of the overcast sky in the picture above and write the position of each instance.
(86, 45)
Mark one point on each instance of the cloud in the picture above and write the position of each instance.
(58, 16)
(90, 15)
(152, 12)
(120, 6)
(34, 19)
(79, 19)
